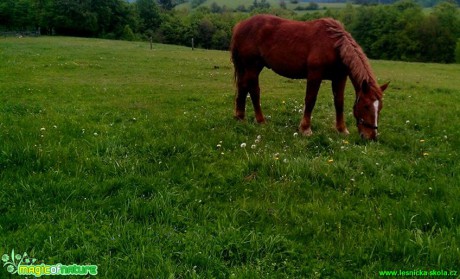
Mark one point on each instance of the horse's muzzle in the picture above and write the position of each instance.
(369, 136)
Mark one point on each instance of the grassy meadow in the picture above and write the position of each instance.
(128, 158)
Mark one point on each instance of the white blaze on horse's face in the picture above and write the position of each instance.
(367, 115)
(376, 111)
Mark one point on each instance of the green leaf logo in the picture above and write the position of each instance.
(12, 262)
(5, 258)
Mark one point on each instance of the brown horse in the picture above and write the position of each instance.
(315, 50)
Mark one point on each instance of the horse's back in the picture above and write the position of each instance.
(291, 48)
(248, 35)
(257, 31)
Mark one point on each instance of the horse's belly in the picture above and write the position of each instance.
(289, 70)
(304, 68)
(291, 74)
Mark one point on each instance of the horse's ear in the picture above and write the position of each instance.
(365, 88)
(383, 87)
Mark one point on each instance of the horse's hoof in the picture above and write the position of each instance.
(239, 117)
(344, 132)
(306, 132)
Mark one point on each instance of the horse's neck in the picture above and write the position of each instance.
(358, 79)
(356, 84)
(354, 58)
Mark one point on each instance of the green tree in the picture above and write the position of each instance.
(457, 52)
(195, 3)
(215, 8)
(389, 32)
(166, 4)
(128, 34)
(348, 14)
(17, 15)
(23, 15)
(402, 28)
(206, 30)
(283, 4)
(149, 15)
(448, 14)
(42, 14)
(6, 13)
(364, 29)
(74, 18)
(172, 30)
(221, 40)
(262, 5)
(442, 30)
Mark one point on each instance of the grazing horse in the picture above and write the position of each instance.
(315, 50)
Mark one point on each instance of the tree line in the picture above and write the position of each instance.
(398, 31)
(403, 31)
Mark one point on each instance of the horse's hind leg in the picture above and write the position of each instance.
(240, 98)
(248, 82)
(338, 88)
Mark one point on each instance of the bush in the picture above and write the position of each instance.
(128, 34)
(457, 52)
(311, 7)
(196, 3)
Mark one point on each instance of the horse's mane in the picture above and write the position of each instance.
(352, 55)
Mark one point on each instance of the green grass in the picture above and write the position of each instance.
(129, 158)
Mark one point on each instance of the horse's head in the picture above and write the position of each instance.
(367, 109)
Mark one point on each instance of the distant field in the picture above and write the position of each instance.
(273, 4)
(128, 158)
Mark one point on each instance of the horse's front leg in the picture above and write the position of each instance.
(338, 88)
(310, 100)
(255, 98)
